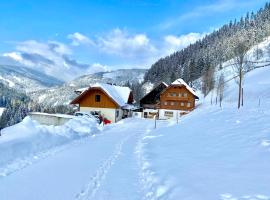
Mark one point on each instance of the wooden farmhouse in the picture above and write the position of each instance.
(169, 101)
(176, 97)
(112, 102)
(152, 99)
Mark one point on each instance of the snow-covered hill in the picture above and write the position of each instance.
(64, 94)
(212, 153)
(26, 79)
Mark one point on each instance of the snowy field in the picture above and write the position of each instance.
(211, 154)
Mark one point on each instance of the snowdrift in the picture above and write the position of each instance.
(28, 138)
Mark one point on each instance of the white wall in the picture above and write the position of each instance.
(109, 113)
(121, 112)
(50, 119)
(137, 114)
(163, 115)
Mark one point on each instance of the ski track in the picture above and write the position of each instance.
(20, 164)
(95, 181)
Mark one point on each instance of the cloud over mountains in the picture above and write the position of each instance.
(131, 49)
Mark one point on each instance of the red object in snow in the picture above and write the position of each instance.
(106, 121)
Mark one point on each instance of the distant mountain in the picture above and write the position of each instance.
(62, 95)
(25, 79)
(118, 77)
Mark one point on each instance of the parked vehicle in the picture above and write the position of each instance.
(90, 115)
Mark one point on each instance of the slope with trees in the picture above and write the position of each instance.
(213, 50)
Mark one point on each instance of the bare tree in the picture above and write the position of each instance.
(208, 80)
(220, 89)
(240, 64)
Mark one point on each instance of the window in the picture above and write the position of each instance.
(97, 98)
(172, 103)
(145, 114)
(188, 104)
(165, 103)
(173, 94)
(117, 113)
(185, 94)
(182, 104)
(168, 114)
(180, 94)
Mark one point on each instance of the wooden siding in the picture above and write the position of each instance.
(89, 100)
(175, 99)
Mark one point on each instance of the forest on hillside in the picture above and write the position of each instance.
(17, 105)
(195, 60)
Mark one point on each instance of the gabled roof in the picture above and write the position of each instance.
(120, 95)
(154, 94)
(182, 82)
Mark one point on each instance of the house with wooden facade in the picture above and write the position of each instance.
(111, 101)
(177, 99)
(152, 99)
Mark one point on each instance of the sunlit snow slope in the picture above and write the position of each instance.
(212, 153)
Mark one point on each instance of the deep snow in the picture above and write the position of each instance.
(213, 153)
(28, 141)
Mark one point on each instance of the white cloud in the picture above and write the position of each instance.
(97, 67)
(79, 39)
(14, 55)
(118, 49)
(117, 42)
(174, 43)
(122, 43)
(52, 58)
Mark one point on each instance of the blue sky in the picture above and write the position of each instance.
(81, 36)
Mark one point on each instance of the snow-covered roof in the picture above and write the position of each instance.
(182, 82)
(118, 93)
(165, 83)
(81, 90)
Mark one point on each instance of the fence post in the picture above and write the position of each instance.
(242, 97)
(155, 121)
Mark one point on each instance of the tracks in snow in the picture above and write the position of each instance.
(20, 164)
(89, 191)
(152, 188)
